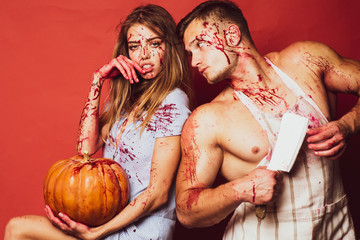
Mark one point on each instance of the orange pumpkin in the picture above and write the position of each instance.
(90, 191)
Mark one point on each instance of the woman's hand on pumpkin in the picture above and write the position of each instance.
(69, 226)
(120, 65)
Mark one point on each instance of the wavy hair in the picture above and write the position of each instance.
(146, 96)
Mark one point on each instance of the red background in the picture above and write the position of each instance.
(49, 50)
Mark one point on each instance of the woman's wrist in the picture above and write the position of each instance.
(97, 80)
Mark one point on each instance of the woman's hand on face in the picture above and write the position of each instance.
(120, 65)
(69, 226)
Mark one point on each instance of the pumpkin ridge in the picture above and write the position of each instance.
(61, 168)
(58, 187)
(80, 189)
(103, 199)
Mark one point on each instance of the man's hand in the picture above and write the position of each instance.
(329, 140)
(262, 185)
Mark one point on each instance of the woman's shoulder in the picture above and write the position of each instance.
(177, 93)
(177, 96)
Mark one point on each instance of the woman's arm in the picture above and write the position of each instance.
(89, 135)
(89, 139)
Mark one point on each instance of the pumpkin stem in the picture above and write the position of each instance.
(86, 156)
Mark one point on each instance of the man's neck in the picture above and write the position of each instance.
(251, 71)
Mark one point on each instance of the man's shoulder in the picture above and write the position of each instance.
(301, 51)
(208, 111)
(224, 108)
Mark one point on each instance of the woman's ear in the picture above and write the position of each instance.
(232, 35)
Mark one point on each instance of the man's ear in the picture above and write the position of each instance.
(232, 35)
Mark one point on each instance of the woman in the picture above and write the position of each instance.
(139, 128)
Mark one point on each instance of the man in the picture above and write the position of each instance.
(235, 133)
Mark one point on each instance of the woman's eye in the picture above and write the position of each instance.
(155, 44)
(133, 47)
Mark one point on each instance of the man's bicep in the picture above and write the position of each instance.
(201, 157)
(341, 74)
(350, 76)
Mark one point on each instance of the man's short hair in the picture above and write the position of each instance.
(223, 10)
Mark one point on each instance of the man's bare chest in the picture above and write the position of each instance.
(244, 144)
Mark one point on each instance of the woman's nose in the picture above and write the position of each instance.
(145, 53)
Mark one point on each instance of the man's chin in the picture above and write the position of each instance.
(212, 80)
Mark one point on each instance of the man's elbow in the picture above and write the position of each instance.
(185, 219)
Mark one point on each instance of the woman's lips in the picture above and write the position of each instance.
(147, 68)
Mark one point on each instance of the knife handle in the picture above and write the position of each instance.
(260, 211)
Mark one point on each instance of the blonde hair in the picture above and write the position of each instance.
(146, 96)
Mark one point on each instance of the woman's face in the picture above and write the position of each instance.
(147, 49)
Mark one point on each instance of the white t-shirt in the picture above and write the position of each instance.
(134, 154)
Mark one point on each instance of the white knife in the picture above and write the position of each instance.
(290, 138)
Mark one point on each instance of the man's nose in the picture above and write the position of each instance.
(194, 61)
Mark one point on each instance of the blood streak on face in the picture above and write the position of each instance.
(211, 37)
(147, 49)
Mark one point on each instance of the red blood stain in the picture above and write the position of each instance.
(254, 193)
(128, 153)
(193, 197)
(263, 96)
(137, 177)
(215, 42)
(314, 121)
(133, 202)
(163, 117)
(190, 152)
(80, 143)
(92, 164)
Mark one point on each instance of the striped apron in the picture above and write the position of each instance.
(312, 203)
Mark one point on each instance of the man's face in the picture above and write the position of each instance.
(205, 42)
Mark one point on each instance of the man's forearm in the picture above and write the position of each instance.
(352, 119)
(202, 207)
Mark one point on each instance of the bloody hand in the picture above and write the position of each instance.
(120, 65)
(265, 185)
(328, 140)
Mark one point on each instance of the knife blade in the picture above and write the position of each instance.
(291, 135)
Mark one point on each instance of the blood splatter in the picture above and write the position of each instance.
(254, 193)
(264, 96)
(163, 117)
(193, 197)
